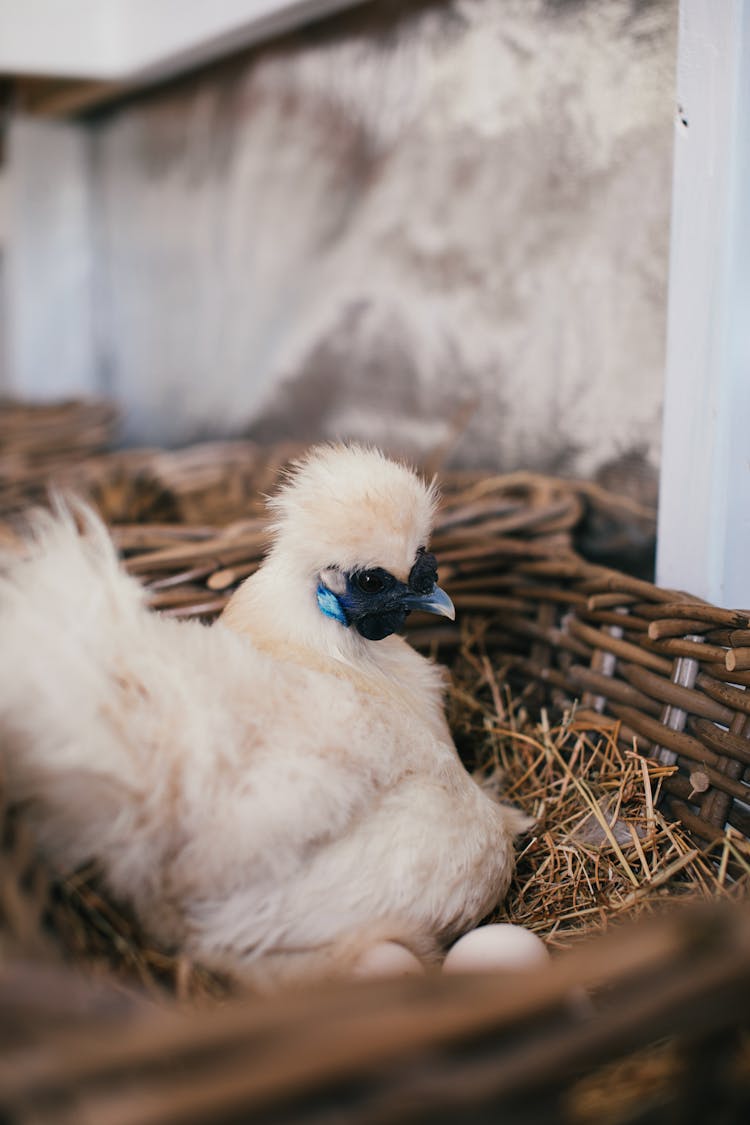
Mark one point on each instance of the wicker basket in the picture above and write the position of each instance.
(598, 1037)
(37, 442)
(669, 669)
(544, 1048)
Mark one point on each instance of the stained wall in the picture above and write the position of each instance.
(418, 224)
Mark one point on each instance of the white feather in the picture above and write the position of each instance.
(272, 793)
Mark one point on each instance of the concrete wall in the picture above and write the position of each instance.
(47, 263)
(410, 221)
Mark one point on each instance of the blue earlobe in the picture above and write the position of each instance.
(330, 606)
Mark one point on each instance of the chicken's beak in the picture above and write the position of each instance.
(435, 602)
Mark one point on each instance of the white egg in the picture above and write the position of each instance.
(388, 959)
(498, 946)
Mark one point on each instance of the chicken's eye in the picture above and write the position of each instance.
(370, 582)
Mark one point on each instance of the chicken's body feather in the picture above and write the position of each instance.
(269, 799)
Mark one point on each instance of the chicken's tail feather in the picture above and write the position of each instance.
(67, 615)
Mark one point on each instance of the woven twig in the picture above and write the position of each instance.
(500, 1047)
(39, 442)
(677, 696)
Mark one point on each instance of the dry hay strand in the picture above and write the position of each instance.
(604, 848)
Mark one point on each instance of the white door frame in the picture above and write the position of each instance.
(704, 509)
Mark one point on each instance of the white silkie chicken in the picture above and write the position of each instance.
(278, 792)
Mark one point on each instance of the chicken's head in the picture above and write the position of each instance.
(354, 526)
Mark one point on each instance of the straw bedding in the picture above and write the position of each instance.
(613, 712)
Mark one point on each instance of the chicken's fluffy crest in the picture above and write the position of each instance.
(352, 507)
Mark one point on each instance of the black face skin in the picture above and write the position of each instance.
(377, 604)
